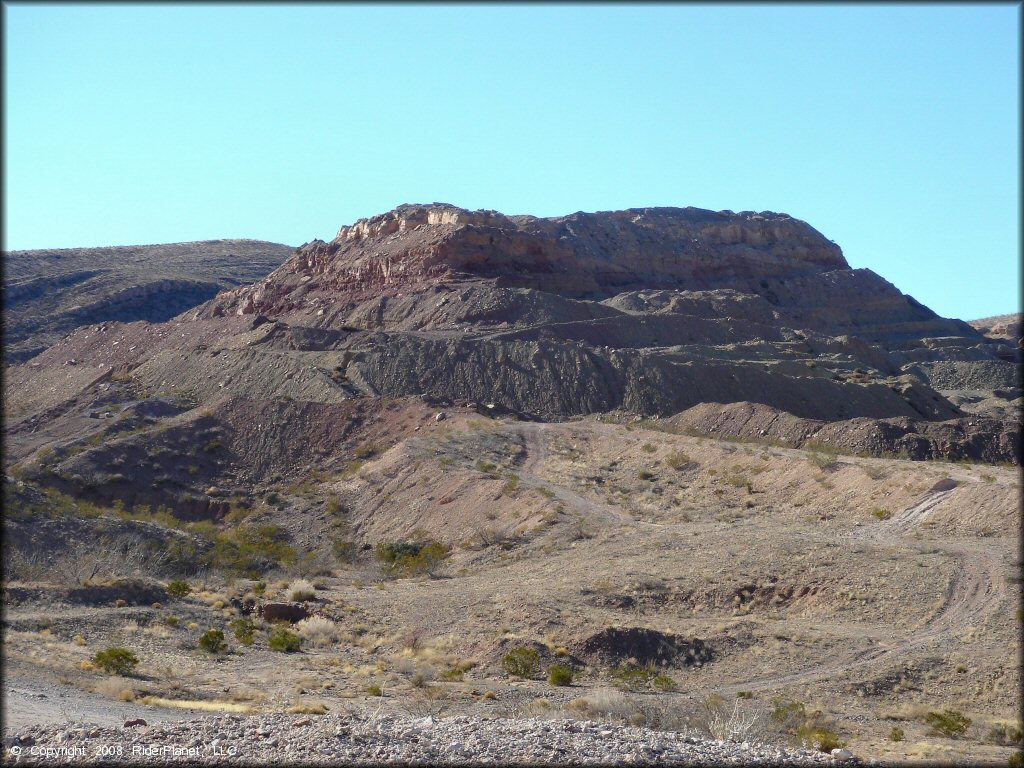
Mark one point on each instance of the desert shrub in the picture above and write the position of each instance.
(1006, 735)
(344, 549)
(272, 498)
(648, 448)
(284, 641)
(677, 460)
(301, 590)
(559, 674)
(374, 690)
(809, 728)
(665, 682)
(511, 484)
(819, 737)
(118, 661)
(411, 557)
(178, 588)
(247, 550)
(244, 630)
(896, 734)
(739, 722)
(1016, 760)
(318, 630)
(744, 694)
(881, 513)
(645, 475)
(630, 677)
(212, 641)
(948, 723)
(521, 662)
(366, 450)
(822, 456)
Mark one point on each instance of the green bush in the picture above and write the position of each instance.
(521, 662)
(118, 661)
(244, 630)
(247, 550)
(818, 736)
(948, 723)
(212, 641)
(809, 728)
(374, 690)
(664, 682)
(179, 588)
(896, 734)
(411, 557)
(630, 677)
(283, 640)
(1016, 760)
(559, 674)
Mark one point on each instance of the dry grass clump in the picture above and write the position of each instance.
(300, 591)
(201, 704)
(115, 687)
(318, 631)
(308, 708)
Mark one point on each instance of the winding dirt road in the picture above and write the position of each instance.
(977, 586)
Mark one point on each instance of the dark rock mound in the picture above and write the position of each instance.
(615, 645)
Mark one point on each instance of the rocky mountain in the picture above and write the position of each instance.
(648, 311)
(49, 293)
(692, 459)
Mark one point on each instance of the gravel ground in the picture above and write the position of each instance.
(385, 739)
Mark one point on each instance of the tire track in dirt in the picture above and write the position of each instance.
(536, 449)
(976, 587)
(973, 592)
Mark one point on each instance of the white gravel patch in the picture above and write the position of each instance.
(365, 739)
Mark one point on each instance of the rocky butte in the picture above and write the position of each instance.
(652, 310)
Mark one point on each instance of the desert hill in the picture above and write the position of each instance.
(49, 293)
(690, 459)
(653, 311)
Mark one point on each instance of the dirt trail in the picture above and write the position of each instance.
(974, 591)
(534, 441)
(29, 700)
(976, 587)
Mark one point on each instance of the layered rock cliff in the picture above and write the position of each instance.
(652, 310)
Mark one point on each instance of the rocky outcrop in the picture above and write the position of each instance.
(971, 438)
(1001, 327)
(582, 255)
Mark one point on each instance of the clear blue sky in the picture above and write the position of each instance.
(891, 129)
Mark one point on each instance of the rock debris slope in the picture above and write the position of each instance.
(49, 293)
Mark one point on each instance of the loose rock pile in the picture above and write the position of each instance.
(379, 739)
